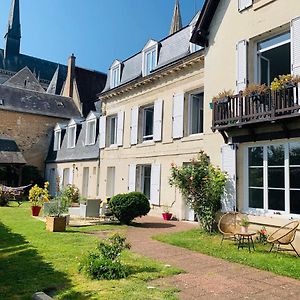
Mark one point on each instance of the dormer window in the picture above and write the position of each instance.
(193, 47)
(57, 140)
(150, 57)
(71, 136)
(115, 74)
(90, 138)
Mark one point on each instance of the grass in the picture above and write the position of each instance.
(197, 240)
(32, 259)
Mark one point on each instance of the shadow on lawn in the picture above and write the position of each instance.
(152, 225)
(23, 271)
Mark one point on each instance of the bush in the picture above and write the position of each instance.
(104, 263)
(126, 207)
(4, 197)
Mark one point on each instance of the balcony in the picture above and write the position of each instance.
(240, 111)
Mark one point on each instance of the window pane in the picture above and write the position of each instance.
(294, 178)
(256, 156)
(256, 198)
(196, 114)
(112, 130)
(274, 40)
(153, 60)
(294, 151)
(276, 177)
(148, 122)
(149, 61)
(256, 177)
(276, 155)
(276, 199)
(295, 202)
(147, 180)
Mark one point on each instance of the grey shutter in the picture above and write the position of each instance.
(242, 59)
(131, 177)
(120, 128)
(134, 125)
(228, 153)
(243, 4)
(155, 184)
(157, 123)
(178, 109)
(102, 131)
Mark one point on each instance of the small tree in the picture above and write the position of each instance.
(202, 185)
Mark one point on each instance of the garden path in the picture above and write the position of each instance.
(206, 277)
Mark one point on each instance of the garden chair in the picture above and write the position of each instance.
(229, 225)
(285, 235)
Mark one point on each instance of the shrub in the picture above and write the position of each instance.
(104, 262)
(126, 207)
(4, 197)
(71, 192)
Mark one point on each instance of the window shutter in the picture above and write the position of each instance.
(157, 124)
(134, 125)
(102, 131)
(295, 45)
(132, 177)
(71, 175)
(243, 4)
(242, 59)
(120, 128)
(59, 179)
(178, 107)
(228, 153)
(155, 184)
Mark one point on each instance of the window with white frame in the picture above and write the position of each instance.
(112, 125)
(90, 138)
(274, 57)
(71, 136)
(195, 113)
(66, 177)
(273, 177)
(143, 179)
(150, 61)
(147, 123)
(193, 47)
(57, 140)
(115, 76)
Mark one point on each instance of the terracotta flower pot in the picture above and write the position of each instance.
(167, 216)
(244, 229)
(35, 210)
(56, 224)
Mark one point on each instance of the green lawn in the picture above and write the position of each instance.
(32, 259)
(199, 241)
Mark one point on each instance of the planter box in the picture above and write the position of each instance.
(56, 224)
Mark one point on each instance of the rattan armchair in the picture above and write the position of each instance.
(229, 225)
(285, 235)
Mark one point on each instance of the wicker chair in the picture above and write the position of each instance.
(229, 225)
(284, 236)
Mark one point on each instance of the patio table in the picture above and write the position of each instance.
(245, 239)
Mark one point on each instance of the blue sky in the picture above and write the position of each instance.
(97, 31)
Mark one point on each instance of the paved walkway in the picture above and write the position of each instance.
(207, 277)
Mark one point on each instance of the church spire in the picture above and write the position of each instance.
(176, 20)
(13, 35)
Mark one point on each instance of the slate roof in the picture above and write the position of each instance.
(27, 101)
(171, 49)
(10, 152)
(80, 152)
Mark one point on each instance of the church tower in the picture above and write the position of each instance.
(13, 35)
(176, 24)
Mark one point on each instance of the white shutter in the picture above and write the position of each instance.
(157, 123)
(134, 125)
(228, 153)
(120, 128)
(102, 131)
(71, 170)
(242, 57)
(243, 4)
(155, 184)
(59, 178)
(132, 177)
(178, 107)
(295, 46)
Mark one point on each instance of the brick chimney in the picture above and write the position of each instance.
(69, 88)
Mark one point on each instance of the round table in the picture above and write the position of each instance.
(245, 239)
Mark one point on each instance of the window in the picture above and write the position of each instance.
(274, 57)
(195, 113)
(57, 140)
(90, 132)
(66, 177)
(193, 47)
(273, 177)
(115, 73)
(143, 179)
(110, 182)
(149, 57)
(112, 130)
(71, 136)
(147, 118)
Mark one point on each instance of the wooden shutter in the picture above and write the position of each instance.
(178, 109)
(102, 131)
(228, 153)
(157, 123)
(242, 59)
(155, 184)
(243, 4)
(120, 128)
(134, 125)
(132, 177)
(295, 46)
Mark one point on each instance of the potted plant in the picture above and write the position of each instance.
(285, 82)
(55, 220)
(37, 196)
(255, 91)
(244, 225)
(166, 212)
(222, 97)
